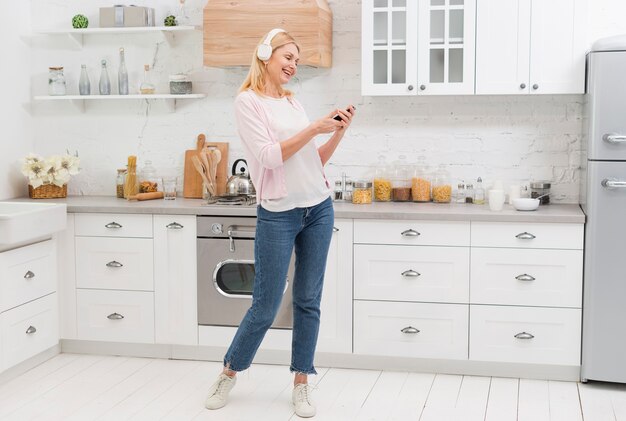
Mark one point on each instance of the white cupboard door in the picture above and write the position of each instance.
(528, 235)
(389, 47)
(547, 278)
(446, 47)
(335, 333)
(29, 329)
(558, 44)
(175, 283)
(525, 334)
(401, 273)
(414, 330)
(415, 233)
(502, 46)
(114, 263)
(113, 225)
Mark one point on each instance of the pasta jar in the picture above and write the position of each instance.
(442, 189)
(382, 184)
(420, 186)
(56, 81)
(362, 192)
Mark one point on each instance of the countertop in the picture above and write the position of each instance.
(560, 213)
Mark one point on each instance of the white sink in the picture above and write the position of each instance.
(22, 222)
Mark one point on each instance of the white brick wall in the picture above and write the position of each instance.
(511, 138)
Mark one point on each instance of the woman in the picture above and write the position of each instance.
(295, 211)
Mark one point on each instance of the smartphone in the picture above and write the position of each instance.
(338, 118)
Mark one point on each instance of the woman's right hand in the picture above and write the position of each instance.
(327, 124)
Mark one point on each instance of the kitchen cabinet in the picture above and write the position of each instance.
(530, 46)
(175, 279)
(423, 47)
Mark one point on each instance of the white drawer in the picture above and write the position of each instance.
(527, 235)
(431, 233)
(113, 225)
(116, 316)
(114, 263)
(555, 334)
(436, 274)
(27, 273)
(442, 329)
(551, 278)
(29, 329)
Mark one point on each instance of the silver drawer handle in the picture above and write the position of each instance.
(29, 275)
(525, 236)
(525, 277)
(115, 316)
(410, 329)
(614, 138)
(524, 335)
(174, 226)
(410, 233)
(113, 225)
(613, 184)
(31, 330)
(114, 264)
(411, 273)
(335, 229)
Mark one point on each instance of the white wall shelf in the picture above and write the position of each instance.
(79, 100)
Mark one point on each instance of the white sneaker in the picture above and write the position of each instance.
(301, 397)
(218, 393)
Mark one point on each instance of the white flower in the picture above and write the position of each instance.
(67, 162)
(37, 172)
(54, 170)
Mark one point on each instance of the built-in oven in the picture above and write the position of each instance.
(226, 272)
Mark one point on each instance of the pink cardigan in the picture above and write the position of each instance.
(262, 148)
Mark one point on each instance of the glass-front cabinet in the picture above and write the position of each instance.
(421, 47)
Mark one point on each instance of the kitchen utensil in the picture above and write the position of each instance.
(192, 184)
(525, 204)
(147, 196)
(239, 182)
(221, 173)
(200, 169)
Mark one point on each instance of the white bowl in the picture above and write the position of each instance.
(525, 204)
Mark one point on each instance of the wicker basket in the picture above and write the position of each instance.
(47, 191)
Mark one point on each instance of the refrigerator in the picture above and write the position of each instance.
(603, 199)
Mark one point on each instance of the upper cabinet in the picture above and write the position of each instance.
(530, 46)
(418, 47)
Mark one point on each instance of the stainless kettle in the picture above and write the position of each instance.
(239, 182)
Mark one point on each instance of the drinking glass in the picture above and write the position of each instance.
(496, 200)
(169, 188)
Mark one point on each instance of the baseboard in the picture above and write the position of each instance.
(28, 364)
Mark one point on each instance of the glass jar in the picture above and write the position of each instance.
(400, 182)
(442, 189)
(148, 181)
(180, 84)
(347, 191)
(461, 193)
(382, 183)
(362, 193)
(56, 81)
(420, 185)
(338, 193)
(469, 193)
(119, 182)
(539, 188)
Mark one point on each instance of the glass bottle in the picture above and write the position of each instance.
(146, 87)
(479, 192)
(105, 83)
(148, 181)
(84, 86)
(121, 178)
(382, 182)
(442, 189)
(181, 16)
(122, 75)
(56, 81)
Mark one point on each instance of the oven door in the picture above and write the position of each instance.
(226, 281)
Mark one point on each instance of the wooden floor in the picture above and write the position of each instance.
(86, 387)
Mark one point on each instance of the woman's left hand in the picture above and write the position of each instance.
(346, 117)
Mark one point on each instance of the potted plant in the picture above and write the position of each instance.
(48, 177)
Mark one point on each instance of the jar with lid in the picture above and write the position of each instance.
(338, 193)
(347, 191)
(180, 84)
(461, 193)
(442, 189)
(56, 81)
(539, 188)
(469, 193)
(382, 182)
(362, 192)
(148, 181)
(400, 182)
(420, 184)
(119, 182)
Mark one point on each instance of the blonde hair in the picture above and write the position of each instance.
(255, 79)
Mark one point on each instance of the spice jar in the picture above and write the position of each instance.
(180, 84)
(442, 189)
(148, 181)
(539, 188)
(338, 193)
(347, 191)
(382, 183)
(121, 177)
(362, 192)
(56, 81)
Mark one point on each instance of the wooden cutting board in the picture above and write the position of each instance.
(192, 184)
(222, 167)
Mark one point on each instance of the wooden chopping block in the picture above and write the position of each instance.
(222, 167)
(192, 184)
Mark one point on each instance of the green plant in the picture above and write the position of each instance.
(80, 21)
(170, 21)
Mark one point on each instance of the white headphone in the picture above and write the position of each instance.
(264, 51)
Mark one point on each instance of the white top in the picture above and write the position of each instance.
(304, 174)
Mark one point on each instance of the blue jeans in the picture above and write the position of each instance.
(309, 230)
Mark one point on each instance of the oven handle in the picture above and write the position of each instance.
(233, 261)
(241, 230)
